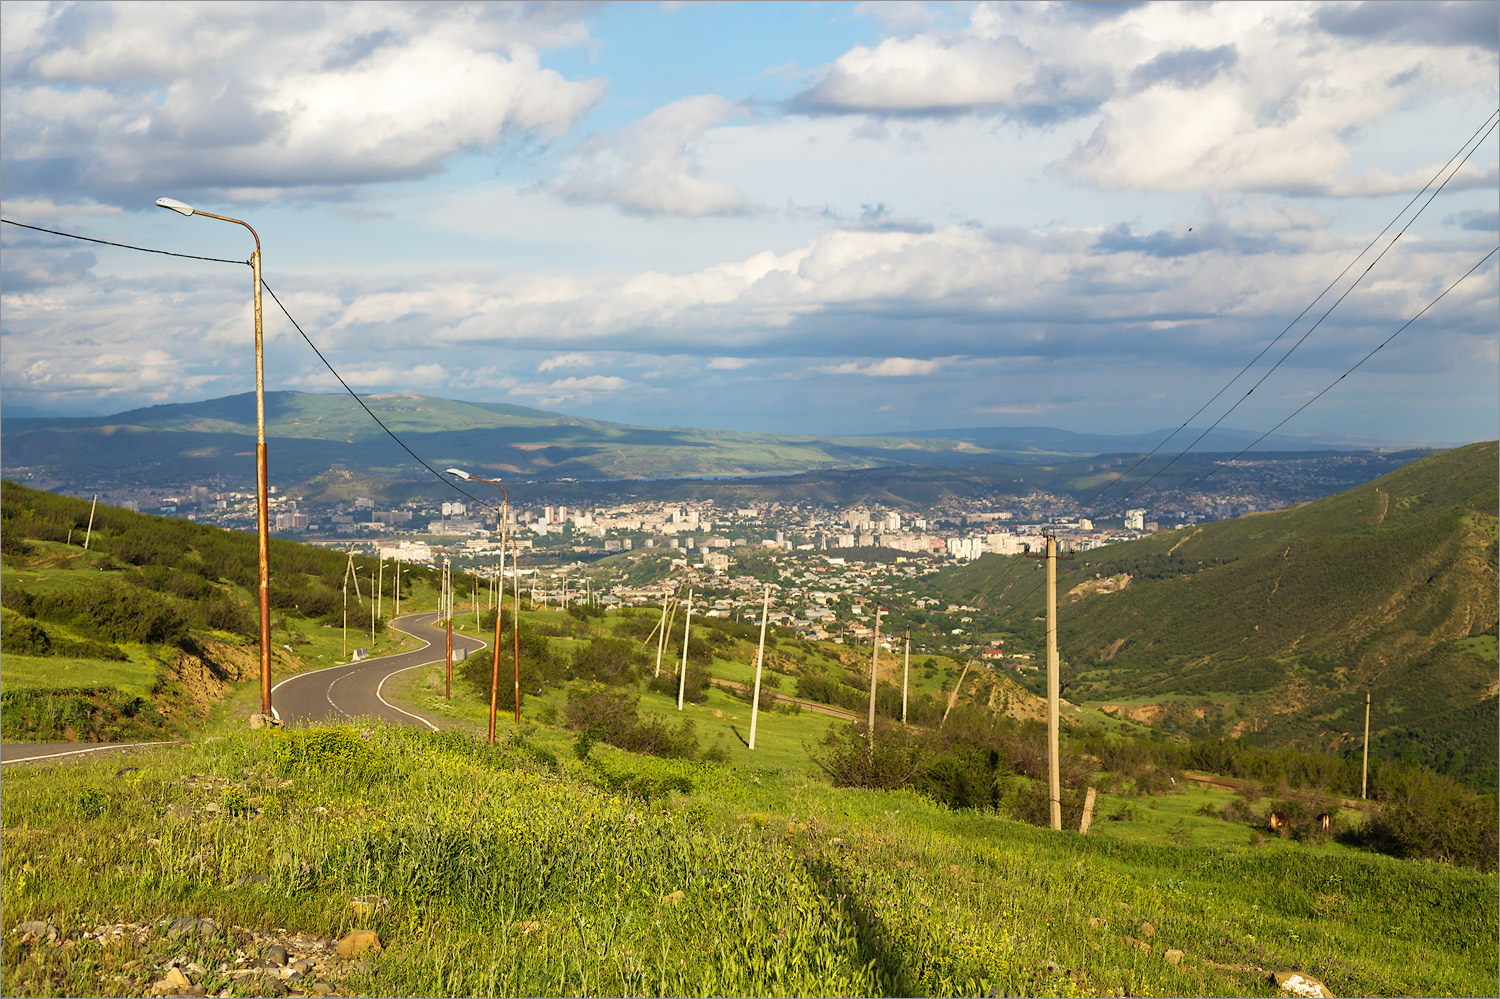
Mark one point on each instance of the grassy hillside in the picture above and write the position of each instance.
(522, 870)
(1273, 626)
(143, 633)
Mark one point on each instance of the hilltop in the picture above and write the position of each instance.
(1272, 626)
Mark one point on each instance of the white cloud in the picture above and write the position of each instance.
(652, 167)
(890, 367)
(248, 100)
(571, 360)
(730, 363)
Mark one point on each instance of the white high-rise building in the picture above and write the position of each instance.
(1135, 520)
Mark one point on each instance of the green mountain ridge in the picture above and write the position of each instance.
(1272, 627)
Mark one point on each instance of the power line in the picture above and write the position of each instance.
(220, 260)
(1486, 127)
(439, 475)
(126, 246)
(1327, 388)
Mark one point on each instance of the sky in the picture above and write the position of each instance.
(818, 218)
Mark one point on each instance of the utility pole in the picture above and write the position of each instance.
(372, 616)
(687, 629)
(1364, 777)
(90, 533)
(760, 657)
(905, 675)
(661, 637)
(398, 589)
(515, 624)
(379, 585)
(1054, 776)
(874, 675)
(448, 616)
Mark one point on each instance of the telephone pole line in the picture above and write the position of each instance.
(1054, 695)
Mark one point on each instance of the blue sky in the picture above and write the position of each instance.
(818, 218)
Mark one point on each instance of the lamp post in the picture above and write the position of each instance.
(262, 516)
(500, 605)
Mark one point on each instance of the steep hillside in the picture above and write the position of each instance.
(1274, 626)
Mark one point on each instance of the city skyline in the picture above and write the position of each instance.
(815, 218)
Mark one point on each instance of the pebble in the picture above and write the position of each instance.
(251, 880)
(1173, 957)
(277, 953)
(1148, 930)
(35, 929)
(207, 929)
(322, 988)
(178, 980)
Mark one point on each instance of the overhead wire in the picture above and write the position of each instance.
(1485, 128)
(446, 480)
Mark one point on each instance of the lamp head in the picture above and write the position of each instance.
(458, 472)
(175, 205)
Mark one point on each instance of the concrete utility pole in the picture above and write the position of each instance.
(760, 658)
(515, 623)
(1054, 696)
(398, 589)
(372, 616)
(379, 584)
(905, 676)
(90, 533)
(1364, 776)
(687, 630)
(874, 676)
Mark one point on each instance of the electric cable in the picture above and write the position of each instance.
(222, 260)
(1141, 485)
(126, 246)
(1487, 125)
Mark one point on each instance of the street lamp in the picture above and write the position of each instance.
(262, 516)
(500, 606)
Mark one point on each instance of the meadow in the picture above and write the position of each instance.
(528, 869)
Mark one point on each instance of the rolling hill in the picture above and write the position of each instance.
(1273, 626)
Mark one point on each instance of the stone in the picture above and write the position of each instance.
(259, 720)
(1299, 984)
(1148, 930)
(251, 881)
(322, 988)
(301, 966)
(1137, 944)
(1173, 957)
(674, 897)
(369, 905)
(1096, 923)
(358, 942)
(277, 953)
(178, 980)
(208, 929)
(36, 929)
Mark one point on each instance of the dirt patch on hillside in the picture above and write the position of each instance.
(1108, 584)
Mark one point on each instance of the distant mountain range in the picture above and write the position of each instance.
(1051, 442)
(309, 433)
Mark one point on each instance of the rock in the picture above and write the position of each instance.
(301, 966)
(1299, 984)
(258, 720)
(1137, 944)
(358, 942)
(203, 928)
(674, 898)
(178, 980)
(322, 988)
(251, 880)
(125, 770)
(1173, 957)
(1096, 923)
(277, 953)
(369, 905)
(1148, 930)
(35, 929)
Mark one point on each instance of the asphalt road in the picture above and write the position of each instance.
(339, 693)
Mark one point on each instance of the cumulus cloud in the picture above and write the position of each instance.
(569, 360)
(1218, 96)
(890, 367)
(730, 363)
(652, 167)
(272, 99)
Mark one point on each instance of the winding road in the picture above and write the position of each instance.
(333, 694)
(353, 690)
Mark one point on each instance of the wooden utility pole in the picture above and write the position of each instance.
(905, 676)
(90, 532)
(760, 658)
(661, 637)
(1364, 776)
(687, 630)
(874, 676)
(1054, 696)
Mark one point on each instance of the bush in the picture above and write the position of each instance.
(611, 715)
(695, 689)
(896, 760)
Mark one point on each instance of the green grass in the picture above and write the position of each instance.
(136, 676)
(517, 871)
